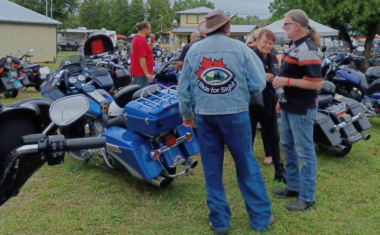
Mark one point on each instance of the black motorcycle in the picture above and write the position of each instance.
(340, 122)
(28, 141)
(35, 73)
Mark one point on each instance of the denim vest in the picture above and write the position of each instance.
(219, 74)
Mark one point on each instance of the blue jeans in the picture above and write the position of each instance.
(297, 143)
(234, 130)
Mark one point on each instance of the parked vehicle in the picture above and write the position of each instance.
(27, 147)
(11, 76)
(340, 122)
(36, 74)
(100, 48)
(143, 127)
(352, 83)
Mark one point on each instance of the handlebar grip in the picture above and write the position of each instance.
(85, 143)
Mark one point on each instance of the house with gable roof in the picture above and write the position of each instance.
(172, 38)
(23, 29)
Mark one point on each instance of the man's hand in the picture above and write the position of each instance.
(269, 77)
(152, 37)
(150, 77)
(279, 82)
(189, 122)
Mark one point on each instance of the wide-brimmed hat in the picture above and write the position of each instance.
(213, 21)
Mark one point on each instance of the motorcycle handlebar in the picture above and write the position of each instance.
(85, 143)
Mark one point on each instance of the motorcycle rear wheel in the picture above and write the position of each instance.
(11, 93)
(336, 153)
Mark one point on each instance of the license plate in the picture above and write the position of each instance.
(14, 74)
(340, 109)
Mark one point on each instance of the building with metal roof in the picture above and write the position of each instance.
(172, 38)
(23, 29)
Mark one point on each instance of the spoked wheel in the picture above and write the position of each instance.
(335, 151)
(11, 93)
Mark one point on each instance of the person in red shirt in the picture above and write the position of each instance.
(142, 59)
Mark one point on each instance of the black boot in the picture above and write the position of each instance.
(300, 205)
(284, 192)
(280, 174)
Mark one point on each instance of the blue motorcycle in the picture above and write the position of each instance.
(143, 127)
(351, 82)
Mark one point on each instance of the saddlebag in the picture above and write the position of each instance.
(154, 114)
(354, 108)
(324, 132)
(4, 81)
(122, 78)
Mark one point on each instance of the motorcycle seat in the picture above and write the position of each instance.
(369, 89)
(373, 72)
(33, 66)
(324, 100)
(125, 95)
(146, 91)
(118, 121)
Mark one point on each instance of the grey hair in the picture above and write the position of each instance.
(300, 17)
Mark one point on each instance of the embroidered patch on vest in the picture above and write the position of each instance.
(215, 78)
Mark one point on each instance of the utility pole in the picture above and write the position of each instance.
(51, 9)
(146, 15)
(161, 20)
(46, 1)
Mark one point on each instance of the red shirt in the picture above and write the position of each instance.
(140, 48)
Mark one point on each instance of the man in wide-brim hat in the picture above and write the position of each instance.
(219, 75)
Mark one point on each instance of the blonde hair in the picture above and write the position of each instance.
(255, 35)
(300, 17)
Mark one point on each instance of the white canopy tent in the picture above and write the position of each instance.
(322, 30)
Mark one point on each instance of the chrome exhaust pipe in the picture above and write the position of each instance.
(365, 136)
(341, 147)
(159, 181)
(193, 163)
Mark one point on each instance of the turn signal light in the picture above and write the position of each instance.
(189, 136)
(155, 155)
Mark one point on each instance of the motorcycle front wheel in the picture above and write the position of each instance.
(11, 93)
(335, 152)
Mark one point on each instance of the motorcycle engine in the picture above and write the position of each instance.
(356, 94)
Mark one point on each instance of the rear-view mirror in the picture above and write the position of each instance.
(68, 109)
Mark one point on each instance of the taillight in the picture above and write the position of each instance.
(21, 72)
(170, 140)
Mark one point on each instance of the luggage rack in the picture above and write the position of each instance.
(168, 94)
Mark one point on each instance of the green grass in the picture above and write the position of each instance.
(98, 200)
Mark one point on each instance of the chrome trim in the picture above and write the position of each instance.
(47, 129)
(104, 153)
(23, 150)
(344, 124)
(165, 148)
(108, 146)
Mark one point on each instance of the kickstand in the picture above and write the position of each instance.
(77, 167)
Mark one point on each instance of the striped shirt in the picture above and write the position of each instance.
(301, 61)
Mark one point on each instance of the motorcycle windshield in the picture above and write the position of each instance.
(338, 47)
(71, 60)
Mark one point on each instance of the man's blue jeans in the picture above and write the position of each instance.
(297, 143)
(234, 130)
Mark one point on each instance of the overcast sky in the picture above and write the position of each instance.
(244, 7)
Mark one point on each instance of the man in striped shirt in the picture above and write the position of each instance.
(301, 77)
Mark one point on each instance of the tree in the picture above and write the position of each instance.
(160, 11)
(361, 15)
(246, 20)
(61, 8)
(89, 11)
(137, 12)
(119, 19)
